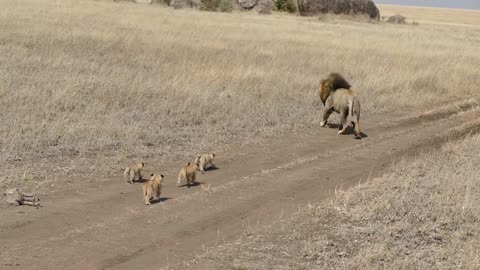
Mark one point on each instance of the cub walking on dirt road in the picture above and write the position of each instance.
(336, 96)
(187, 172)
(134, 171)
(152, 187)
(205, 161)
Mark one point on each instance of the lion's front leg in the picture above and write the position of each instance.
(326, 115)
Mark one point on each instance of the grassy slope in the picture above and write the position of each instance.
(425, 214)
(99, 84)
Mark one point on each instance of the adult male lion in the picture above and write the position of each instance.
(337, 96)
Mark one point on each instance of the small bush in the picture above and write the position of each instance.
(225, 6)
(209, 5)
(265, 6)
(178, 4)
(265, 10)
(286, 5)
(217, 5)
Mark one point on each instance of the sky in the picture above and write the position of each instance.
(468, 4)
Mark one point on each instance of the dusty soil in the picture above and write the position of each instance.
(106, 225)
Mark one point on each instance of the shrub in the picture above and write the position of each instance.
(217, 5)
(225, 5)
(286, 5)
(265, 6)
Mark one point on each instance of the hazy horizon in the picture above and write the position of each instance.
(463, 4)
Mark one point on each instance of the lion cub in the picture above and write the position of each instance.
(151, 187)
(205, 161)
(134, 171)
(187, 172)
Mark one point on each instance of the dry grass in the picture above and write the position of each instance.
(100, 84)
(425, 214)
(428, 15)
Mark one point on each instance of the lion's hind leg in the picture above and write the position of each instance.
(355, 114)
(202, 167)
(146, 195)
(189, 181)
(131, 178)
(342, 129)
(356, 127)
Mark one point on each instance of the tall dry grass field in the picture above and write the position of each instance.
(98, 84)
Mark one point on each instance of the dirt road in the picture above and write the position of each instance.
(107, 226)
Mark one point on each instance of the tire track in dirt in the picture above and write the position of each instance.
(111, 229)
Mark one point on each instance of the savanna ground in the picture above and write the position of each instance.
(87, 87)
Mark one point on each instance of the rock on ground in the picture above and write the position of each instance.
(349, 7)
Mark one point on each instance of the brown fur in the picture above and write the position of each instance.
(205, 161)
(336, 96)
(134, 171)
(152, 187)
(187, 172)
(333, 82)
